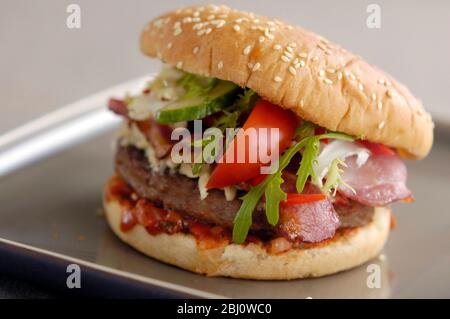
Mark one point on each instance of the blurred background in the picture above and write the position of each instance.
(45, 65)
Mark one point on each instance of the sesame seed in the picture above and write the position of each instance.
(169, 45)
(292, 70)
(302, 103)
(247, 50)
(221, 23)
(261, 39)
(389, 93)
(360, 86)
(374, 96)
(197, 26)
(331, 70)
(250, 65)
(177, 32)
(290, 27)
(380, 105)
(196, 14)
(187, 20)
(381, 125)
(316, 58)
(201, 32)
(288, 54)
(381, 81)
(339, 75)
(321, 73)
(159, 23)
(255, 20)
(223, 16)
(196, 19)
(277, 47)
(268, 34)
(327, 81)
(179, 64)
(285, 59)
(220, 65)
(208, 30)
(257, 66)
(214, 7)
(289, 49)
(236, 28)
(303, 55)
(211, 17)
(322, 47)
(295, 61)
(238, 20)
(277, 79)
(292, 45)
(177, 25)
(195, 50)
(352, 76)
(302, 63)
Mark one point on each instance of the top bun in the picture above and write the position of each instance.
(294, 68)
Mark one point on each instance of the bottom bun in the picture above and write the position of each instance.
(252, 261)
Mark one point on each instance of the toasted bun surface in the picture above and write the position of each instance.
(294, 68)
(252, 261)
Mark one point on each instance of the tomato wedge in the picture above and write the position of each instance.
(296, 199)
(320, 131)
(257, 180)
(377, 148)
(232, 168)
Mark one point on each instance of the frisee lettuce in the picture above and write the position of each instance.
(334, 178)
(271, 185)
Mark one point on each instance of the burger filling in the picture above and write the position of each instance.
(319, 183)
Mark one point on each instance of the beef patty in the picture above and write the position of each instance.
(177, 192)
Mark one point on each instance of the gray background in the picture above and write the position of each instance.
(44, 65)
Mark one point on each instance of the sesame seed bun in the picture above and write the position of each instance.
(252, 261)
(293, 68)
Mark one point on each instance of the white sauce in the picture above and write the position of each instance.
(338, 149)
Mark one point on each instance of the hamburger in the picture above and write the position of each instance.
(309, 200)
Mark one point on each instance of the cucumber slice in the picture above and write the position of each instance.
(200, 106)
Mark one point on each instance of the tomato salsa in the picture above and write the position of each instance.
(156, 220)
(139, 211)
